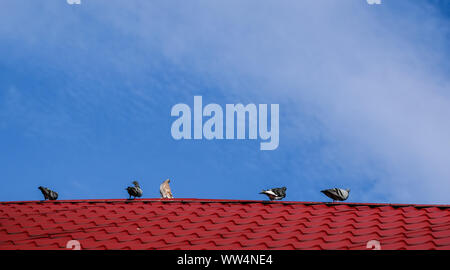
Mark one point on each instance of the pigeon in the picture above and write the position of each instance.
(48, 194)
(337, 194)
(275, 193)
(164, 190)
(135, 191)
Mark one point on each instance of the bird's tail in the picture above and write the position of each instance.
(263, 192)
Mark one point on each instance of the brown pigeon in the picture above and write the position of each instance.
(164, 190)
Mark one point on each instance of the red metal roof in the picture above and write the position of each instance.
(221, 224)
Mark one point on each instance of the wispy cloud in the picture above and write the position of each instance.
(369, 79)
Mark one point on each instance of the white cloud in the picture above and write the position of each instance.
(369, 83)
(371, 2)
(71, 2)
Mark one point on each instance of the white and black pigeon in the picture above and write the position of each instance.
(337, 194)
(275, 193)
(135, 191)
(48, 194)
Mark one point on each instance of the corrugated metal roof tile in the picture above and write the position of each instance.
(221, 224)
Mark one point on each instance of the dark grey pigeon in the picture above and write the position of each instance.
(135, 191)
(337, 194)
(48, 194)
(275, 193)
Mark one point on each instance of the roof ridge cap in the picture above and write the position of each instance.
(233, 201)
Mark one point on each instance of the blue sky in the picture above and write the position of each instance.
(86, 93)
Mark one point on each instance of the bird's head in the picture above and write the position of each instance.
(41, 188)
(136, 183)
(167, 181)
(284, 188)
(348, 190)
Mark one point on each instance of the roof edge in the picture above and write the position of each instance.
(195, 200)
